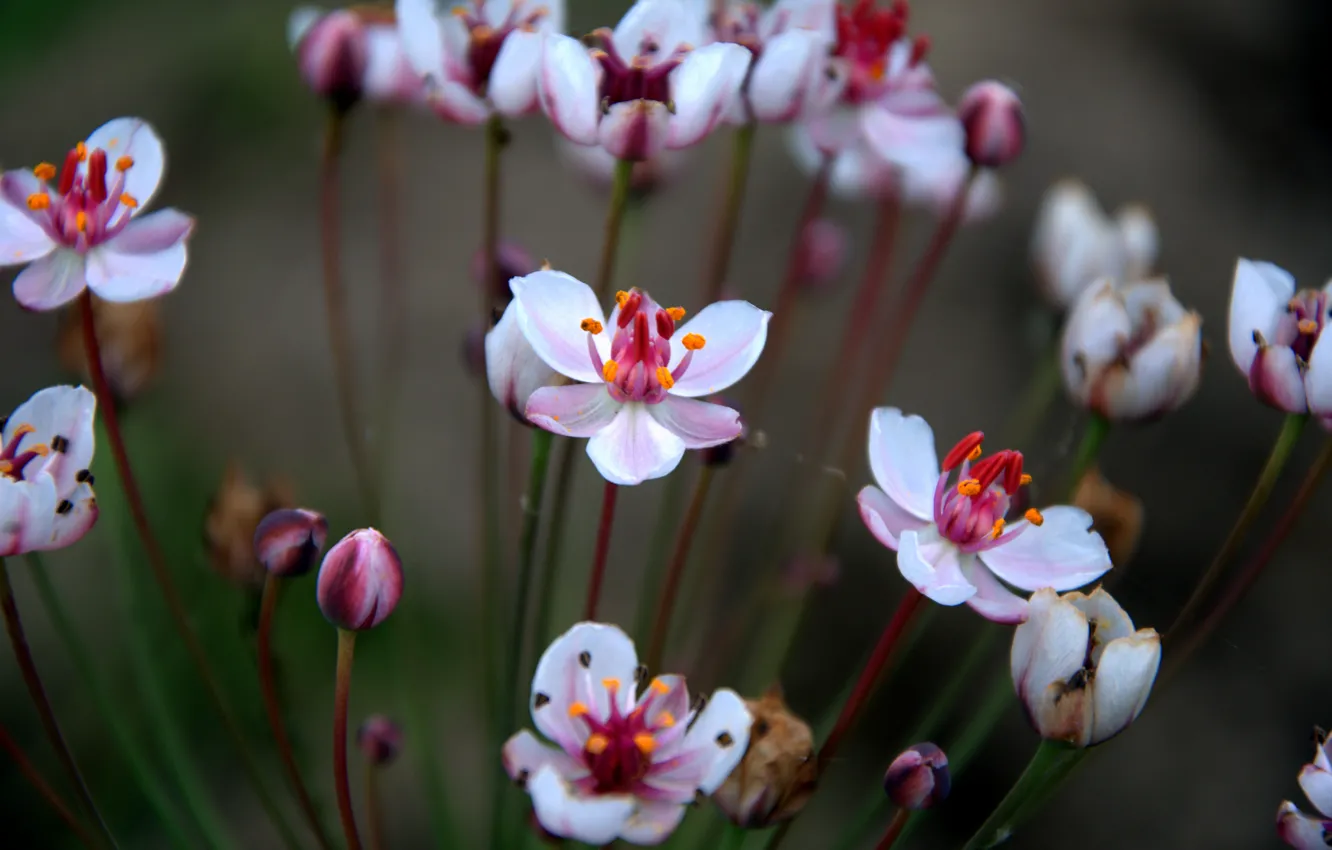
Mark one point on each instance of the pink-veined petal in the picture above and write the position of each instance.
(1318, 379)
(27, 514)
(135, 138)
(652, 823)
(1317, 785)
(513, 368)
(1258, 297)
(993, 600)
(701, 88)
(513, 79)
(662, 24)
(51, 281)
(912, 140)
(734, 333)
(419, 29)
(635, 447)
(576, 410)
(524, 755)
(63, 412)
(1124, 678)
(22, 239)
(144, 260)
(1062, 553)
(1299, 830)
(567, 88)
(70, 524)
(699, 424)
(903, 460)
(455, 102)
(934, 566)
(885, 518)
(783, 76)
(553, 307)
(594, 820)
(1276, 380)
(635, 130)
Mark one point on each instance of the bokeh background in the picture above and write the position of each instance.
(1213, 112)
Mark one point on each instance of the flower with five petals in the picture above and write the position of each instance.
(953, 540)
(79, 226)
(640, 376)
(625, 765)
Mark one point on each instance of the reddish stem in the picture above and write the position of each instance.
(30, 773)
(273, 708)
(671, 587)
(603, 549)
(341, 691)
(869, 676)
(894, 829)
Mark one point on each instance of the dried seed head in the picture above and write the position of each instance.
(1116, 514)
(778, 773)
(234, 514)
(130, 337)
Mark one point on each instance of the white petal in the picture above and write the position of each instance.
(578, 410)
(635, 447)
(513, 368)
(1317, 785)
(1062, 553)
(635, 130)
(22, 239)
(144, 260)
(1139, 238)
(135, 138)
(886, 519)
(783, 76)
(553, 306)
(701, 87)
(513, 79)
(1162, 375)
(903, 460)
(67, 413)
(1318, 378)
(1258, 297)
(652, 823)
(27, 514)
(993, 600)
(1275, 378)
(718, 738)
(934, 566)
(595, 820)
(51, 281)
(567, 86)
(1048, 648)
(1111, 621)
(1123, 682)
(422, 41)
(699, 424)
(524, 756)
(734, 333)
(456, 102)
(70, 524)
(665, 24)
(1299, 830)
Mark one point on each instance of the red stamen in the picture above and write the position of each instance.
(68, 172)
(962, 450)
(665, 325)
(642, 348)
(629, 308)
(1013, 476)
(989, 469)
(97, 175)
(919, 49)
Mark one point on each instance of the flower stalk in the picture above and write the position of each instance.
(890, 835)
(603, 549)
(393, 297)
(37, 693)
(162, 574)
(341, 691)
(670, 590)
(723, 241)
(273, 707)
(1051, 763)
(48, 793)
(374, 809)
(620, 180)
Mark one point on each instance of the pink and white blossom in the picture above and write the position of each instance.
(640, 375)
(46, 494)
(513, 368)
(1298, 829)
(625, 765)
(368, 56)
(952, 539)
(1075, 243)
(478, 57)
(79, 226)
(1276, 339)
(647, 87)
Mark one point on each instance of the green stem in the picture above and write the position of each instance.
(145, 775)
(34, 777)
(422, 722)
(734, 837)
(36, 691)
(724, 235)
(1098, 427)
(392, 288)
(1048, 766)
(1276, 461)
(1042, 389)
(624, 172)
(341, 692)
(894, 830)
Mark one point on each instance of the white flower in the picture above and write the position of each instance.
(1131, 353)
(46, 495)
(648, 87)
(641, 376)
(1074, 243)
(1083, 674)
(1275, 335)
(1298, 829)
(513, 368)
(623, 766)
(84, 229)
(952, 540)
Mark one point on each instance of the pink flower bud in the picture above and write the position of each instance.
(288, 540)
(360, 581)
(380, 739)
(822, 253)
(332, 53)
(992, 116)
(918, 778)
(511, 260)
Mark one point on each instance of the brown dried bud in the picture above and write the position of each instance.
(379, 739)
(918, 778)
(1116, 514)
(778, 773)
(233, 516)
(129, 336)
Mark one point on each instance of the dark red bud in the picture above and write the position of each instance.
(333, 55)
(991, 114)
(380, 739)
(287, 541)
(918, 778)
(360, 581)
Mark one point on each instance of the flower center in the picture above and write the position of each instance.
(971, 513)
(643, 76)
(639, 365)
(485, 40)
(1306, 314)
(865, 38)
(619, 750)
(81, 210)
(12, 460)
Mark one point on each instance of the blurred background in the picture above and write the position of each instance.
(1215, 113)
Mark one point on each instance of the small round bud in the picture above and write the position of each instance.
(380, 739)
(511, 260)
(823, 252)
(288, 540)
(991, 114)
(778, 773)
(332, 53)
(360, 581)
(918, 778)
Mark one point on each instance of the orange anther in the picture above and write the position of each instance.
(6, 467)
(645, 743)
(82, 150)
(577, 709)
(998, 528)
(597, 744)
(665, 720)
(660, 687)
(969, 487)
(39, 449)
(125, 163)
(482, 33)
(664, 378)
(81, 221)
(1308, 326)
(621, 297)
(975, 453)
(25, 428)
(129, 200)
(44, 171)
(1034, 516)
(609, 370)
(459, 11)
(592, 326)
(39, 201)
(610, 683)
(693, 342)
(1024, 480)
(676, 313)
(877, 70)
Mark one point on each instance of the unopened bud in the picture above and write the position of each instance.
(288, 540)
(332, 53)
(991, 114)
(511, 260)
(823, 251)
(234, 514)
(778, 773)
(360, 581)
(129, 336)
(380, 739)
(918, 778)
